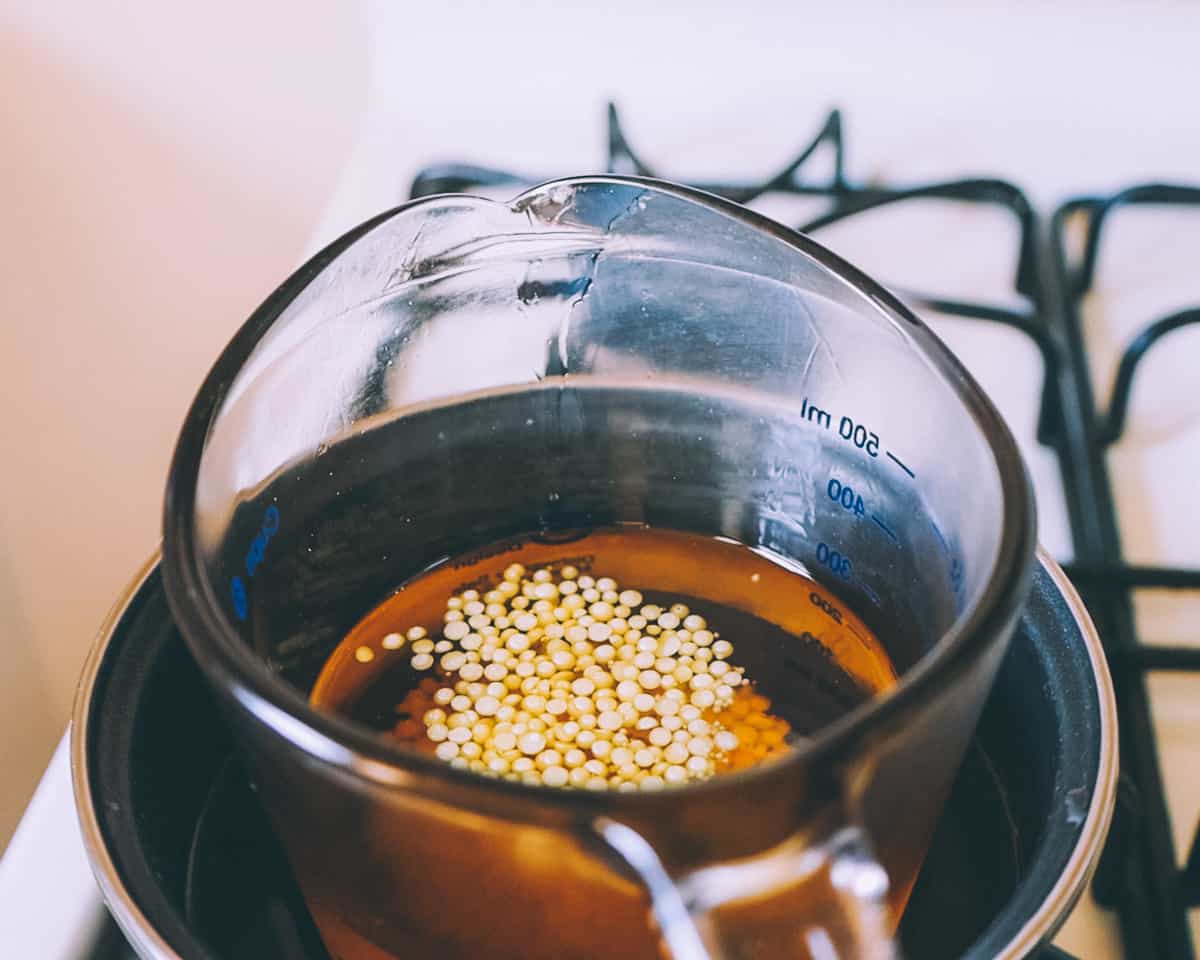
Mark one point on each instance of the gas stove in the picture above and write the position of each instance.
(1078, 320)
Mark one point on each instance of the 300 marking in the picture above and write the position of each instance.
(844, 495)
(835, 561)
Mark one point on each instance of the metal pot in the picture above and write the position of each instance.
(190, 869)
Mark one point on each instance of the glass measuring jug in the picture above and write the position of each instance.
(601, 351)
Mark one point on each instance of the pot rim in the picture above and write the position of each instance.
(134, 924)
(1082, 863)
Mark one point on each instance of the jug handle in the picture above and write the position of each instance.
(839, 895)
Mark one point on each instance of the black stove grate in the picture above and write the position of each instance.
(1139, 877)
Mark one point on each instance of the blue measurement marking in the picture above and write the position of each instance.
(956, 577)
(901, 464)
(254, 558)
(941, 539)
(844, 495)
(237, 590)
(885, 528)
(956, 568)
(838, 562)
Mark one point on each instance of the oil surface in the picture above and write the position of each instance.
(806, 658)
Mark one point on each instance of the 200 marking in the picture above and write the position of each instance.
(839, 564)
(844, 495)
(819, 601)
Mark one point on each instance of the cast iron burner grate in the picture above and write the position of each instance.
(1138, 877)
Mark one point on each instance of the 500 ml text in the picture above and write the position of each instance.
(853, 432)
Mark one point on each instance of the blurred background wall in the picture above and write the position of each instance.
(161, 168)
